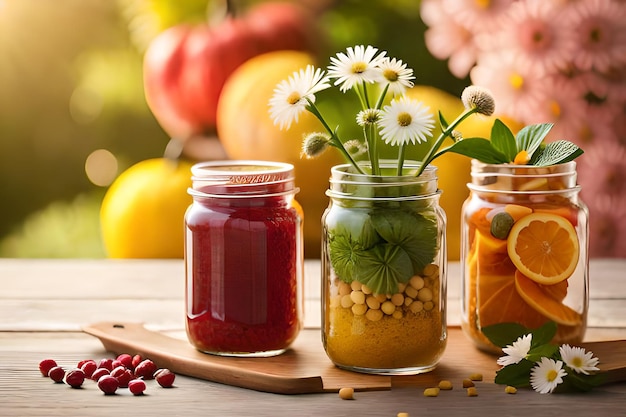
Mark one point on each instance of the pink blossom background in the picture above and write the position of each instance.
(558, 61)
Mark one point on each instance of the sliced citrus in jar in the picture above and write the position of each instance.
(542, 301)
(544, 247)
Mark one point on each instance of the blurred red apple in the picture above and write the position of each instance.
(185, 66)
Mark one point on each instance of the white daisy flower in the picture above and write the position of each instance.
(395, 73)
(290, 96)
(405, 120)
(578, 359)
(358, 65)
(546, 375)
(517, 351)
(367, 117)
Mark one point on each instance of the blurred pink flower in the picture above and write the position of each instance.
(476, 15)
(535, 30)
(600, 33)
(518, 95)
(607, 225)
(602, 168)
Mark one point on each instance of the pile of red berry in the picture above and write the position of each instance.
(125, 371)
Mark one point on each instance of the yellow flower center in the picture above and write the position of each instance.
(555, 108)
(359, 67)
(390, 75)
(293, 98)
(551, 375)
(516, 81)
(483, 4)
(577, 362)
(404, 119)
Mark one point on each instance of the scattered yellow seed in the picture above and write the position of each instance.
(403, 415)
(346, 393)
(472, 392)
(431, 392)
(467, 383)
(445, 385)
(510, 390)
(476, 377)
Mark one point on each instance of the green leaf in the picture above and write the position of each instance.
(558, 152)
(414, 233)
(344, 254)
(477, 148)
(515, 375)
(529, 138)
(544, 334)
(503, 140)
(575, 382)
(504, 334)
(536, 353)
(382, 267)
(442, 120)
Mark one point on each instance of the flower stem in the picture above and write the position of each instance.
(400, 159)
(444, 134)
(333, 136)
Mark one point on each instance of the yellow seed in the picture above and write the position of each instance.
(402, 415)
(445, 385)
(355, 286)
(357, 297)
(374, 315)
(388, 308)
(408, 301)
(381, 298)
(416, 282)
(401, 287)
(397, 314)
(425, 294)
(431, 392)
(429, 305)
(359, 309)
(416, 306)
(346, 393)
(472, 392)
(397, 299)
(372, 302)
(510, 390)
(476, 377)
(410, 291)
(344, 288)
(431, 270)
(467, 383)
(366, 290)
(346, 301)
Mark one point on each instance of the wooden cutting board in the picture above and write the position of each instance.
(305, 368)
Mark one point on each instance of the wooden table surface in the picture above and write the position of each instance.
(44, 304)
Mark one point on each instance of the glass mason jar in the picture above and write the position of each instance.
(524, 251)
(384, 271)
(243, 258)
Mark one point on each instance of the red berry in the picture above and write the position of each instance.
(108, 384)
(145, 369)
(75, 378)
(89, 367)
(82, 362)
(45, 366)
(136, 360)
(122, 375)
(126, 360)
(106, 363)
(165, 377)
(57, 374)
(137, 386)
(99, 373)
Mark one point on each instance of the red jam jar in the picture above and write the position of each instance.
(243, 258)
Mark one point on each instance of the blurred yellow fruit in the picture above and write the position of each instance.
(247, 132)
(142, 214)
(454, 169)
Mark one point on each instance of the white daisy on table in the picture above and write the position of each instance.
(517, 351)
(357, 65)
(578, 359)
(292, 96)
(405, 120)
(547, 375)
(396, 74)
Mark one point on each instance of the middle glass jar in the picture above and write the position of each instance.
(384, 271)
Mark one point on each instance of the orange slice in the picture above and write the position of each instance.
(507, 306)
(543, 302)
(544, 247)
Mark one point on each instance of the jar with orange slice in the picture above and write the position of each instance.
(524, 250)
